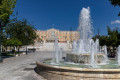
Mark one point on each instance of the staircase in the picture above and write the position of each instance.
(50, 46)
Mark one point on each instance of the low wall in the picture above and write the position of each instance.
(84, 58)
(69, 73)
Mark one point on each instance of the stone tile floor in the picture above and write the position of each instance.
(22, 67)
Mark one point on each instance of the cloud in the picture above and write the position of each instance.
(115, 22)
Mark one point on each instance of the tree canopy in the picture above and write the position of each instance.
(6, 9)
(12, 42)
(21, 30)
(113, 38)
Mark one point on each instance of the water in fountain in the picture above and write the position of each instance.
(74, 46)
(92, 58)
(85, 30)
(85, 45)
(61, 54)
(80, 46)
(118, 57)
(97, 46)
(106, 57)
(56, 53)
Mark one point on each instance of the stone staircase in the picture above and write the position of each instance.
(50, 46)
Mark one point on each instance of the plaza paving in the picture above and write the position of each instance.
(22, 67)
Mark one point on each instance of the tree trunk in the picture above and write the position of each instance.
(18, 49)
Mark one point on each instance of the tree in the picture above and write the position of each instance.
(103, 40)
(12, 42)
(21, 30)
(115, 3)
(112, 40)
(6, 9)
(114, 37)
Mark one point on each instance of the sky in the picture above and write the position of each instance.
(64, 14)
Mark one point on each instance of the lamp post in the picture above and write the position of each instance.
(1, 60)
(26, 34)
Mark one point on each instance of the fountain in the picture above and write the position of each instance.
(82, 48)
(86, 61)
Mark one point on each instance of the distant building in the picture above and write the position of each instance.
(62, 36)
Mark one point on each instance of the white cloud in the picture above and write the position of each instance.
(115, 22)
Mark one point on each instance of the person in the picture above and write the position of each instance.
(13, 51)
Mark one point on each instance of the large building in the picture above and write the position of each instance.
(62, 36)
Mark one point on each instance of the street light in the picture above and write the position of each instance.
(26, 34)
(1, 25)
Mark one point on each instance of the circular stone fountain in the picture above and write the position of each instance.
(51, 72)
(84, 57)
(87, 61)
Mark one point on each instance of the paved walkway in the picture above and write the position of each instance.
(22, 67)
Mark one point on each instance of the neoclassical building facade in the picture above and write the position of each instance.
(62, 36)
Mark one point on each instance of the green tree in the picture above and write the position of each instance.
(113, 37)
(6, 9)
(13, 42)
(21, 30)
(115, 3)
(112, 40)
(103, 40)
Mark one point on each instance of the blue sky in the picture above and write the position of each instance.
(64, 14)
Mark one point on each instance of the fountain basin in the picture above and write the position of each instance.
(84, 57)
(51, 72)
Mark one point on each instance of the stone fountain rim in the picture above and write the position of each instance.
(75, 69)
(86, 53)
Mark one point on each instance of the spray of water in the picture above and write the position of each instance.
(74, 46)
(86, 45)
(106, 57)
(55, 59)
(85, 30)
